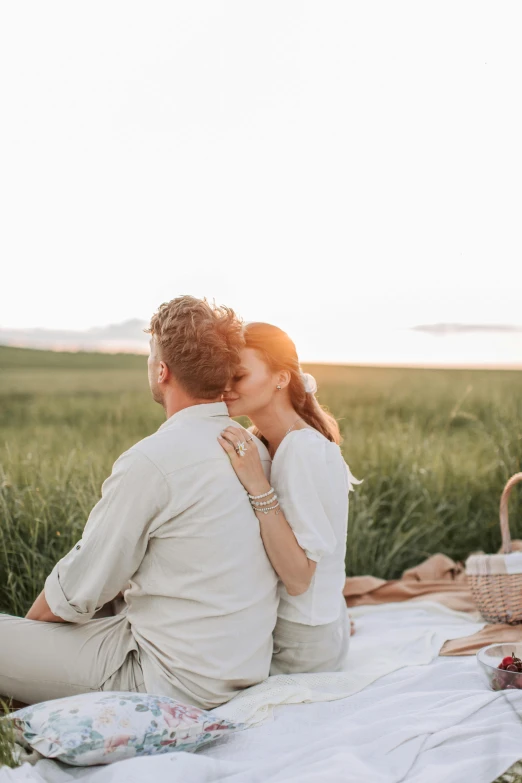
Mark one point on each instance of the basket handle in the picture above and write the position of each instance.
(504, 520)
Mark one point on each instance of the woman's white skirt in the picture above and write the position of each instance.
(311, 648)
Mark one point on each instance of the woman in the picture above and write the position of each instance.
(303, 510)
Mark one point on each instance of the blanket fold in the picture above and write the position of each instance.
(441, 579)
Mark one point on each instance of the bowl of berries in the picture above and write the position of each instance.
(502, 665)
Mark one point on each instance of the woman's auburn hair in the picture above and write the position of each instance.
(279, 352)
(200, 344)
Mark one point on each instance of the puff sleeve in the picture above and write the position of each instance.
(303, 485)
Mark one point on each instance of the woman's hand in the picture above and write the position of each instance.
(244, 456)
(288, 559)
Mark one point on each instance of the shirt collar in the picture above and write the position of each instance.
(197, 411)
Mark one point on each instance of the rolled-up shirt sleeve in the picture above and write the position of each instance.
(114, 540)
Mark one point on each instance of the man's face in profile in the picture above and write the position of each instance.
(154, 369)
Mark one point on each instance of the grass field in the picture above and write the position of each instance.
(434, 448)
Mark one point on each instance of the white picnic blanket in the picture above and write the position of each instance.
(399, 713)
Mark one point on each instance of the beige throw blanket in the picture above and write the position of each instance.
(439, 578)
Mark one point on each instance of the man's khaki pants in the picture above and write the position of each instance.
(41, 661)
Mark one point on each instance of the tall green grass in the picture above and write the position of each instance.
(434, 448)
(7, 738)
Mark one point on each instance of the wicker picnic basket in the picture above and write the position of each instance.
(496, 580)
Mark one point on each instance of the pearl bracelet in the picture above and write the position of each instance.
(264, 495)
(269, 508)
(257, 503)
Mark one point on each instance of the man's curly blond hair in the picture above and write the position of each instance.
(199, 343)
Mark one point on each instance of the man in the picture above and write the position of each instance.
(174, 533)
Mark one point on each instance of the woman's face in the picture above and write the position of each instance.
(252, 388)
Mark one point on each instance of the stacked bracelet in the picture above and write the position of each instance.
(272, 504)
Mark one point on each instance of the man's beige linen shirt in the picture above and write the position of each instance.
(174, 529)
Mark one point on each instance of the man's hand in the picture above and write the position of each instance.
(40, 611)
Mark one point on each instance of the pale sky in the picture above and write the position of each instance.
(342, 169)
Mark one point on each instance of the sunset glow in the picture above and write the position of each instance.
(346, 171)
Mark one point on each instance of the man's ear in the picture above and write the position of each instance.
(164, 373)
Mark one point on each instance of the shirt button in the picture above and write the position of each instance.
(78, 546)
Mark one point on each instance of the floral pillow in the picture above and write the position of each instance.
(102, 727)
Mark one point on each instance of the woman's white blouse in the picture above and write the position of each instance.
(312, 482)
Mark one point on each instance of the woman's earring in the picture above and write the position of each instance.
(278, 387)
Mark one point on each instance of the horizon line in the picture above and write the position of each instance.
(506, 366)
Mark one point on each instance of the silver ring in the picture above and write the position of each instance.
(249, 439)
